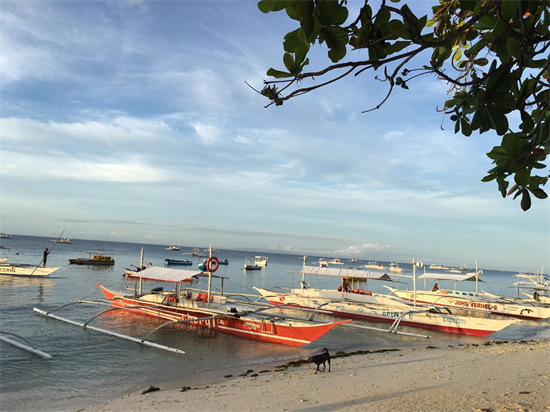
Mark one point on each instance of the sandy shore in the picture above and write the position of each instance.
(492, 377)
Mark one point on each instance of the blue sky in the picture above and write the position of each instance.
(131, 121)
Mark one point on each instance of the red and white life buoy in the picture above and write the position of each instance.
(209, 267)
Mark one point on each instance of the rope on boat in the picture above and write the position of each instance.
(29, 348)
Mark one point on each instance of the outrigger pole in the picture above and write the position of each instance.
(29, 348)
(108, 332)
(55, 243)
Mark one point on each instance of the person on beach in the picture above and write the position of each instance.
(46, 252)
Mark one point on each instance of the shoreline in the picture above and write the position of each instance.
(496, 376)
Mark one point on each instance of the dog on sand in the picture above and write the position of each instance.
(322, 358)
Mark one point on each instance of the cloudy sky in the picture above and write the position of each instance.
(131, 121)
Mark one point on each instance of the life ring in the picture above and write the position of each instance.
(208, 265)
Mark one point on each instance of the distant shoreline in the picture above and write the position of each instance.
(497, 376)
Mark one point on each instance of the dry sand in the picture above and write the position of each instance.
(493, 377)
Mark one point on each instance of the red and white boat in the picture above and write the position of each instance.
(354, 302)
(208, 310)
(217, 314)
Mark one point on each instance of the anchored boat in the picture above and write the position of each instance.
(477, 301)
(351, 301)
(210, 310)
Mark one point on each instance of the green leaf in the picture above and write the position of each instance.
(498, 119)
(482, 61)
(266, 6)
(278, 74)
(539, 193)
(304, 13)
(489, 178)
(510, 144)
(332, 13)
(525, 201)
(513, 46)
(288, 60)
(522, 177)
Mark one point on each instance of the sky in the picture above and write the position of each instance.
(132, 121)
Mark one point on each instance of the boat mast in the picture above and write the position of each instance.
(141, 260)
(209, 276)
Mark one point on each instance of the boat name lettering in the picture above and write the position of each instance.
(10, 269)
(390, 314)
(454, 320)
(475, 305)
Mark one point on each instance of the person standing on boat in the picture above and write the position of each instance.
(46, 253)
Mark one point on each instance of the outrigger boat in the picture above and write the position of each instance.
(353, 302)
(537, 284)
(23, 269)
(209, 310)
(478, 301)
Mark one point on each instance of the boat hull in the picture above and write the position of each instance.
(176, 262)
(26, 271)
(280, 331)
(411, 316)
(471, 301)
(91, 262)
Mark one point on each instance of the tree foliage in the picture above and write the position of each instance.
(492, 53)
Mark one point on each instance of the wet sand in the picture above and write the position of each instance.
(498, 376)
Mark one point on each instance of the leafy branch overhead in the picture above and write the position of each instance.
(492, 53)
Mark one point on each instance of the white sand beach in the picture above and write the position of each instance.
(493, 377)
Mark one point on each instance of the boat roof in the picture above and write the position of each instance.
(450, 276)
(342, 273)
(165, 274)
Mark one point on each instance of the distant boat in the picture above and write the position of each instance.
(375, 265)
(5, 236)
(260, 260)
(394, 267)
(251, 265)
(184, 262)
(94, 259)
(336, 261)
(63, 240)
(436, 266)
(173, 247)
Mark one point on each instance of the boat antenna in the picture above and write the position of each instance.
(55, 243)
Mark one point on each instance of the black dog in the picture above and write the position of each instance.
(321, 358)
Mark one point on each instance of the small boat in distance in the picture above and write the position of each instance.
(5, 236)
(94, 259)
(173, 247)
(394, 267)
(260, 260)
(336, 261)
(374, 265)
(65, 240)
(251, 265)
(438, 267)
(184, 262)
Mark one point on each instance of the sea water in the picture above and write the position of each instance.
(88, 367)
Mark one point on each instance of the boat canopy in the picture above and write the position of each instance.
(342, 273)
(450, 276)
(165, 274)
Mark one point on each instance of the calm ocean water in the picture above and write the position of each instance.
(89, 368)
